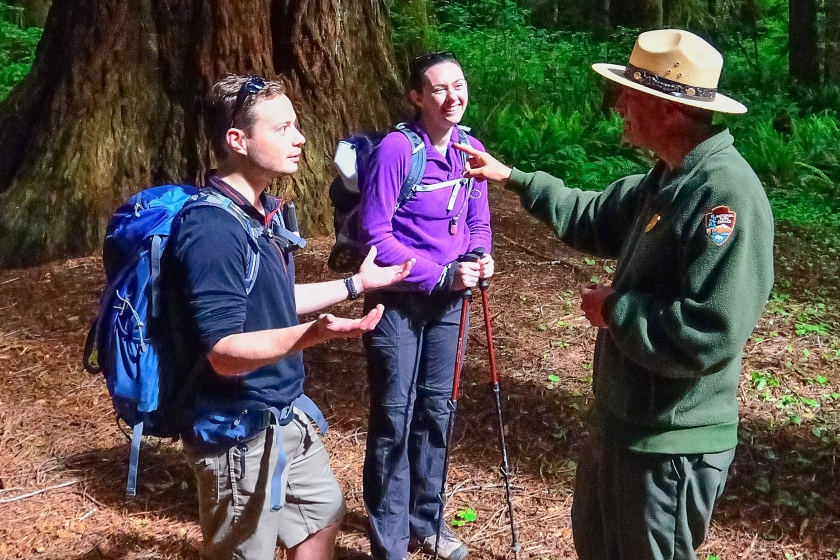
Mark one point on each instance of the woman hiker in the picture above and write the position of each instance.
(411, 353)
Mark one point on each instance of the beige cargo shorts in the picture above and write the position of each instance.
(234, 487)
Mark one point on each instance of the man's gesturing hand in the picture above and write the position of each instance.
(483, 166)
(374, 276)
(331, 326)
(592, 303)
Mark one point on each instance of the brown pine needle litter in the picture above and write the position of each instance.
(63, 460)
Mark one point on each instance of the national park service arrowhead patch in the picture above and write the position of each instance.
(720, 223)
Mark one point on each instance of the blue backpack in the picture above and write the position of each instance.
(129, 339)
(352, 159)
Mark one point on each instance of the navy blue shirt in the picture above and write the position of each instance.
(205, 266)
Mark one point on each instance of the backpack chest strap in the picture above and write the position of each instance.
(456, 185)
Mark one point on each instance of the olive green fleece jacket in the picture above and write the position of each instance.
(667, 369)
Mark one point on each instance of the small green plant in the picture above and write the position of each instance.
(465, 515)
(809, 328)
(761, 380)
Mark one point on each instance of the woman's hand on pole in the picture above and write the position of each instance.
(466, 275)
(487, 266)
(483, 166)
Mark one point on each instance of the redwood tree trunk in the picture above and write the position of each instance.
(644, 14)
(832, 41)
(804, 62)
(113, 105)
(34, 11)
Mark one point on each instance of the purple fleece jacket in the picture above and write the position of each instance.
(421, 227)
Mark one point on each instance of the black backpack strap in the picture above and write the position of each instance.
(417, 168)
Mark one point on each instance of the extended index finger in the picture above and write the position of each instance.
(469, 150)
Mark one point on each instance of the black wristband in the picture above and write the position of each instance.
(351, 288)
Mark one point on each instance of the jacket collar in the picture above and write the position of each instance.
(431, 151)
(666, 184)
(270, 203)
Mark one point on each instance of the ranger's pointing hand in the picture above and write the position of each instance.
(482, 166)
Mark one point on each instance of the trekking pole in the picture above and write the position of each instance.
(515, 547)
(466, 298)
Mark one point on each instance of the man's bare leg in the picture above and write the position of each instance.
(318, 546)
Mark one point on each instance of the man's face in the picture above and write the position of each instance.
(274, 142)
(444, 97)
(643, 118)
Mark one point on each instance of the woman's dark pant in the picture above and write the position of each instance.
(411, 361)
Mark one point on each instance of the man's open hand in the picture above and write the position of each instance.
(374, 276)
(331, 326)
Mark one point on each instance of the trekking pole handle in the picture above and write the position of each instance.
(473, 256)
(476, 255)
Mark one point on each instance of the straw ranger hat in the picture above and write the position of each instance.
(674, 65)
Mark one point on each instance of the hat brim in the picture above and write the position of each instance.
(721, 103)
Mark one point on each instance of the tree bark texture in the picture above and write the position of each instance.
(34, 11)
(832, 41)
(644, 14)
(114, 99)
(804, 62)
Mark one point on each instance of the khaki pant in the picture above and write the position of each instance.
(234, 487)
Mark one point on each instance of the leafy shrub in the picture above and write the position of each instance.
(536, 103)
(17, 48)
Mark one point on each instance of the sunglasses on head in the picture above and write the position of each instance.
(429, 60)
(251, 86)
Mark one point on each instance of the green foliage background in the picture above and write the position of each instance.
(536, 103)
(17, 48)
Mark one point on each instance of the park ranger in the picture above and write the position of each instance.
(694, 242)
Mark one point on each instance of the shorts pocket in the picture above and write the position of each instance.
(207, 479)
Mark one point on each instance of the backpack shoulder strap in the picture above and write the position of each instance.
(217, 200)
(463, 138)
(418, 165)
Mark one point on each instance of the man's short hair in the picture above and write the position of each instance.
(221, 106)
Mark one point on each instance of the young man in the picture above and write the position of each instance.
(263, 474)
(694, 243)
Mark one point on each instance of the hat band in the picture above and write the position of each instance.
(668, 87)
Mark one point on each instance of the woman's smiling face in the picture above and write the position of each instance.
(444, 96)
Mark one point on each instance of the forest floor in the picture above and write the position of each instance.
(63, 461)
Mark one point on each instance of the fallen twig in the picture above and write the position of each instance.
(533, 253)
(35, 493)
(749, 550)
